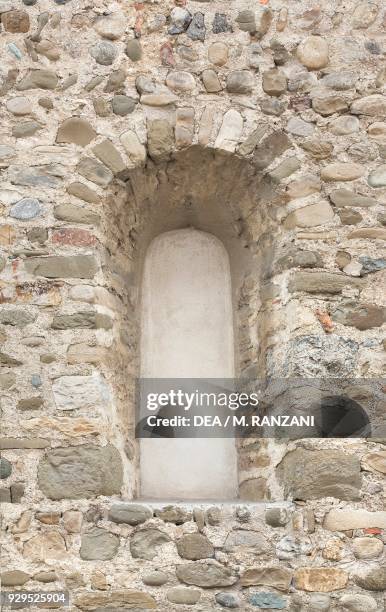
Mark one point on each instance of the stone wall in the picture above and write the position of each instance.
(263, 123)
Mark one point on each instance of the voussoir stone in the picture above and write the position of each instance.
(98, 544)
(230, 131)
(271, 147)
(83, 192)
(107, 153)
(94, 171)
(313, 52)
(160, 139)
(80, 471)
(132, 514)
(76, 130)
(75, 214)
(240, 82)
(194, 546)
(134, 148)
(205, 574)
(144, 543)
(60, 266)
(276, 577)
(320, 579)
(310, 216)
(307, 474)
(340, 171)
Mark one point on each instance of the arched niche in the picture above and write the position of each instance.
(187, 333)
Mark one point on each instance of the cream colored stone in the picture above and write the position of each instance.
(310, 216)
(320, 579)
(345, 520)
(375, 462)
(218, 53)
(313, 52)
(340, 171)
(230, 131)
(19, 106)
(133, 147)
(367, 548)
(48, 545)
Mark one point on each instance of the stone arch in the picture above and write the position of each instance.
(214, 191)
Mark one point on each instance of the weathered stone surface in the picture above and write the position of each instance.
(375, 462)
(195, 546)
(19, 106)
(155, 578)
(361, 316)
(367, 548)
(340, 171)
(76, 130)
(144, 543)
(310, 216)
(117, 600)
(58, 266)
(123, 105)
(253, 489)
(180, 81)
(16, 317)
(268, 601)
(25, 129)
(111, 27)
(376, 233)
(25, 209)
(241, 537)
(345, 197)
(271, 576)
(98, 544)
(344, 125)
(228, 600)
(313, 52)
(298, 127)
(134, 148)
(83, 192)
(230, 131)
(218, 53)
(134, 50)
(321, 579)
(27, 443)
(7, 360)
(274, 82)
(211, 81)
(345, 520)
(173, 514)
(75, 214)
(240, 82)
(320, 282)
(109, 156)
(270, 148)
(372, 579)
(196, 29)
(82, 320)
(317, 148)
(94, 171)
(74, 392)
(340, 81)
(38, 79)
(80, 471)
(5, 468)
(180, 20)
(160, 139)
(208, 574)
(357, 602)
(47, 545)
(183, 595)
(246, 20)
(328, 104)
(104, 53)
(15, 21)
(132, 514)
(307, 474)
(13, 578)
(377, 178)
(373, 106)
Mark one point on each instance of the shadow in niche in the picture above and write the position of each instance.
(342, 417)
